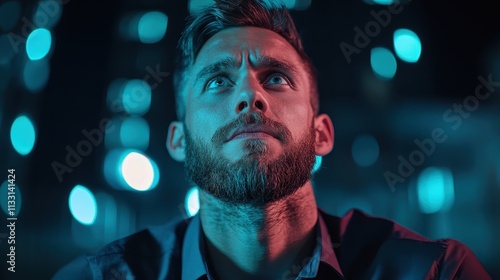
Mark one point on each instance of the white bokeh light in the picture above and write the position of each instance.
(138, 171)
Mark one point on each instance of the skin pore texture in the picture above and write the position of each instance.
(249, 141)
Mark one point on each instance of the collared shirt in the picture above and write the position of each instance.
(323, 255)
(356, 246)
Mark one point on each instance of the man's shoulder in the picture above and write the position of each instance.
(376, 227)
(146, 250)
(361, 227)
(378, 243)
(152, 241)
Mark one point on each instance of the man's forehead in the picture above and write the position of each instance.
(241, 43)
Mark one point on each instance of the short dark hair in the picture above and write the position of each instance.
(230, 13)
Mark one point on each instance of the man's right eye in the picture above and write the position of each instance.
(218, 82)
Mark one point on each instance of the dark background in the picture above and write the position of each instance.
(460, 42)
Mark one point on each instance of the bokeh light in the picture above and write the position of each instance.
(383, 63)
(407, 45)
(23, 135)
(48, 13)
(365, 150)
(134, 133)
(38, 43)
(145, 27)
(36, 74)
(7, 191)
(136, 97)
(192, 201)
(435, 190)
(383, 2)
(301, 5)
(10, 11)
(6, 50)
(152, 27)
(82, 205)
(196, 6)
(139, 172)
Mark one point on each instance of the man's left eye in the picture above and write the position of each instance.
(277, 79)
(218, 82)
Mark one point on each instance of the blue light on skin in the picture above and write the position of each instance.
(317, 164)
(192, 201)
(23, 135)
(365, 150)
(407, 45)
(152, 27)
(435, 190)
(83, 205)
(383, 63)
(38, 43)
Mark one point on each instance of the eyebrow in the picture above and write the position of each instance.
(230, 62)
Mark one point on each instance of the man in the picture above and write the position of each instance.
(248, 131)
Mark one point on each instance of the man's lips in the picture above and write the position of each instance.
(253, 131)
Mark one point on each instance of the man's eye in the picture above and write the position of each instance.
(218, 82)
(277, 79)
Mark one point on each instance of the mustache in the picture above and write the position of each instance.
(252, 118)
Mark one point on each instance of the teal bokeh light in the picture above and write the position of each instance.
(7, 52)
(152, 27)
(134, 133)
(36, 75)
(23, 135)
(365, 150)
(192, 201)
(48, 13)
(6, 192)
(383, 2)
(10, 11)
(407, 45)
(83, 205)
(383, 63)
(435, 190)
(38, 43)
(136, 97)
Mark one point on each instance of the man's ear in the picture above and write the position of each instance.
(324, 139)
(176, 143)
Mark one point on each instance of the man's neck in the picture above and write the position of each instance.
(264, 242)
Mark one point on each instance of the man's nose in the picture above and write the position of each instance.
(251, 97)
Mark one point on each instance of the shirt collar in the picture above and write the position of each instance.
(323, 253)
(194, 266)
(327, 246)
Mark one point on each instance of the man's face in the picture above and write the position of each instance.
(249, 121)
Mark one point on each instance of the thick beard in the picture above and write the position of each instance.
(252, 180)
